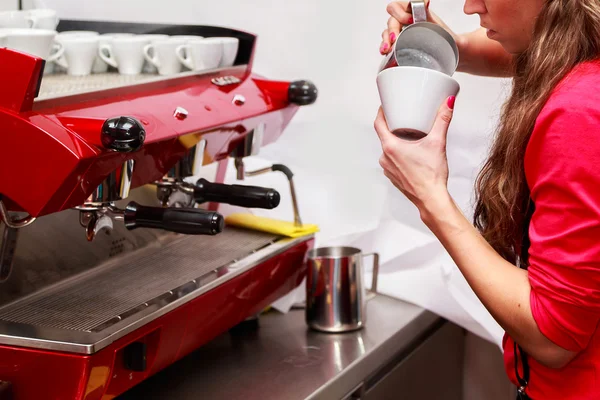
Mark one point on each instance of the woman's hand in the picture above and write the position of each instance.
(400, 15)
(419, 169)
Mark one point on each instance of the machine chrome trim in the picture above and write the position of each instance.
(25, 335)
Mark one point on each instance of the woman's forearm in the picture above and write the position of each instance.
(502, 288)
(480, 55)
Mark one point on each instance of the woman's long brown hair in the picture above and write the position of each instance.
(566, 33)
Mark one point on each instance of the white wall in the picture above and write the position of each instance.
(8, 5)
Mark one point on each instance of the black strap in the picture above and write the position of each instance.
(523, 380)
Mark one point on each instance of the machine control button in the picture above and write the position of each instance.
(180, 113)
(302, 92)
(225, 80)
(123, 134)
(239, 100)
(134, 356)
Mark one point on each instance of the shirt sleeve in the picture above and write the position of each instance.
(563, 171)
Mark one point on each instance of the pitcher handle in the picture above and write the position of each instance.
(375, 270)
(419, 11)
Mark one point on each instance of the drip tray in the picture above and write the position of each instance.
(131, 287)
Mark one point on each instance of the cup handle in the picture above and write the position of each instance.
(32, 20)
(152, 60)
(375, 271)
(419, 11)
(59, 50)
(109, 59)
(182, 58)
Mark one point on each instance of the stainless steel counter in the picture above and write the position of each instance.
(282, 359)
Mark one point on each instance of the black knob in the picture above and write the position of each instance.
(236, 195)
(302, 92)
(190, 221)
(124, 134)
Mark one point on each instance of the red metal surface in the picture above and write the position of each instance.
(54, 146)
(47, 375)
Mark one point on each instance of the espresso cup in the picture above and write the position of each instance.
(16, 20)
(411, 97)
(148, 67)
(79, 55)
(99, 65)
(230, 49)
(37, 42)
(185, 38)
(58, 64)
(126, 53)
(201, 54)
(44, 18)
(161, 54)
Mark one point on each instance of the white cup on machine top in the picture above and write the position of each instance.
(100, 66)
(230, 49)
(162, 55)
(415, 78)
(44, 18)
(59, 64)
(148, 67)
(37, 42)
(126, 53)
(200, 54)
(79, 54)
(16, 19)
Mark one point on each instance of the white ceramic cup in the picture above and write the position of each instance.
(200, 54)
(186, 38)
(44, 18)
(99, 65)
(126, 53)
(162, 55)
(148, 67)
(411, 97)
(16, 19)
(79, 55)
(37, 42)
(58, 64)
(230, 50)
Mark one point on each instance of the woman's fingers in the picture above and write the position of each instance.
(385, 46)
(399, 11)
(443, 119)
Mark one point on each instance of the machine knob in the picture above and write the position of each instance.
(123, 134)
(302, 92)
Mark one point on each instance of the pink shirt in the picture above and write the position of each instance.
(562, 166)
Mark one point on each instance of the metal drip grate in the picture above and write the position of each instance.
(63, 84)
(124, 283)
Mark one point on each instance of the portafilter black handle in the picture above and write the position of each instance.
(236, 195)
(189, 221)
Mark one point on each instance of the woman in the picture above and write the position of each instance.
(538, 195)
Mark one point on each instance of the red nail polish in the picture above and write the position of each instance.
(392, 37)
(451, 101)
(385, 46)
(411, 20)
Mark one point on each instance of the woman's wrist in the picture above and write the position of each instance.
(437, 206)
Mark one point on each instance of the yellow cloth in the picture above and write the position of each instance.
(264, 224)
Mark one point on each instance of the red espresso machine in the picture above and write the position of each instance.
(114, 259)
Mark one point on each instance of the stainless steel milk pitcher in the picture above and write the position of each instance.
(423, 44)
(336, 296)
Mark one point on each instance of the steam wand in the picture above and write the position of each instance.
(288, 173)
